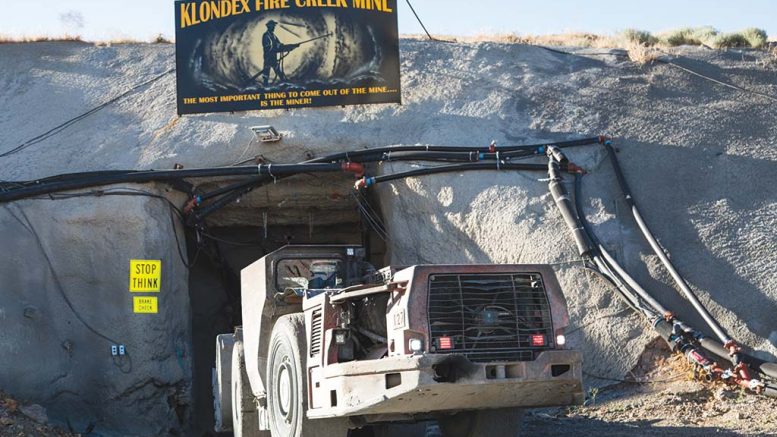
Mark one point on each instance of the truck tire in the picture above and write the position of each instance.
(222, 388)
(503, 422)
(287, 384)
(245, 419)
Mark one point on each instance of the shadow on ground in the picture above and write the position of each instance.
(539, 426)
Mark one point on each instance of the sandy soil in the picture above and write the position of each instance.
(660, 397)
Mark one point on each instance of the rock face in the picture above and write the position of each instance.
(65, 302)
(700, 158)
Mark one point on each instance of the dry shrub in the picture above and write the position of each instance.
(756, 37)
(570, 40)
(160, 39)
(642, 53)
(693, 36)
(7, 39)
(641, 37)
(730, 40)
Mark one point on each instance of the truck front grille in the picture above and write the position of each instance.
(489, 317)
(315, 332)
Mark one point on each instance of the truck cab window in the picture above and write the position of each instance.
(309, 274)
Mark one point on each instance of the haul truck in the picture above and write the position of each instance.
(329, 344)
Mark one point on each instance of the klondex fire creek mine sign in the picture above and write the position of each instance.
(238, 55)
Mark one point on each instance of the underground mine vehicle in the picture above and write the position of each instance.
(329, 343)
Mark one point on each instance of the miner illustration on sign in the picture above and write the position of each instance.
(272, 48)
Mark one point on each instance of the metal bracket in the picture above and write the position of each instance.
(266, 134)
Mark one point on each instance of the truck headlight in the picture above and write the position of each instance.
(561, 340)
(416, 345)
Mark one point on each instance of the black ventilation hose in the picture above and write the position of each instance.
(239, 190)
(625, 283)
(72, 181)
(681, 283)
(353, 156)
(472, 156)
(455, 168)
(267, 170)
(560, 195)
(378, 157)
(711, 345)
(233, 192)
(667, 330)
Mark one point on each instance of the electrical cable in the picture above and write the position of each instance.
(431, 38)
(673, 64)
(366, 203)
(719, 82)
(456, 168)
(676, 331)
(60, 287)
(234, 191)
(230, 242)
(373, 221)
(59, 128)
(126, 191)
(540, 147)
(564, 52)
(89, 180)
(681, 283)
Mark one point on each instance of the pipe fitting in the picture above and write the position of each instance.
(353, 167)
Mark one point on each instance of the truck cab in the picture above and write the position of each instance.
(329, 343)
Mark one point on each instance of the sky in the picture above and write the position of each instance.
(144, 19)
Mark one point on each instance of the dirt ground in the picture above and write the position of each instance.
(17, 419)
(661, 397)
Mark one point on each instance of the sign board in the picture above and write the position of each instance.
(145, 304)
(239, 55)
(145, 275)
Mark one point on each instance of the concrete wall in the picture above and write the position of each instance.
(65, 300)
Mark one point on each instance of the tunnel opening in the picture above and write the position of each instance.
(219, 252)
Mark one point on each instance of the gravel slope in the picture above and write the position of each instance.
(700, 158)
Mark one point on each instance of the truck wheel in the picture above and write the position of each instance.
(504, 422)
(287, 384)
(222, 388)
(245, 419)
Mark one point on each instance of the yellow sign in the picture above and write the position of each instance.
(145, 275)
(144, 305)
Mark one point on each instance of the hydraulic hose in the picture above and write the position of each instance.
(18, 190)
(689, 294)
(560, 195)
(271, 170)
(354, 155)
(630, 298)
(632, 283)
(396, 153)
(663, 327)
(454, 168)
(767, 368)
